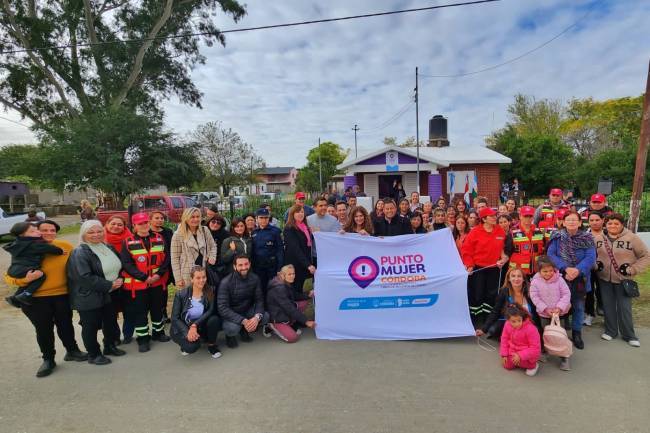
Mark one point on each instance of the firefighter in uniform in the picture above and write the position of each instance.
(559, 222)
(528, 242)
(598, 203)
(268, 249)
(145, 263)
(545, 213)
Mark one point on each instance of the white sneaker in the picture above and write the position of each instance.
(298, 331)
(532, 371)
(634, 343)
(216, 355)
(588, 320)
(184, 353)
(606, 337)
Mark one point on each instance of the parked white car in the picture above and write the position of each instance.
(8, 220)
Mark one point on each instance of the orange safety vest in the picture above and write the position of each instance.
(548, 216)
(147, 262)
(527, 246)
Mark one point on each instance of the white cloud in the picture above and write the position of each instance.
(281, 89)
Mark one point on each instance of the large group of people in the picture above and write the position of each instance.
(527, 267)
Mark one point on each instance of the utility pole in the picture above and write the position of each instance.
(641, 158)
(320, 168)
(417, 131)
(355, 129)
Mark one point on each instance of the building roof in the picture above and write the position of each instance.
(277, 170)
(441, 156)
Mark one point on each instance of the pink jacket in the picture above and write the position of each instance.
(553, 293)
(523, 341)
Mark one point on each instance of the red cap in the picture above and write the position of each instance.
(300, 195)
(526, 211)
(140, 218)
(556, 191)
(486, 211)
(561, 213)
(598, 198)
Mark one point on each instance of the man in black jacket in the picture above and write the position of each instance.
(392, 224)
(240, 303)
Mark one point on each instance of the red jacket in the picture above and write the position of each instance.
(481, 248)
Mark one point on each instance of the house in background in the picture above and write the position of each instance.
(271, 179)
(444, 170)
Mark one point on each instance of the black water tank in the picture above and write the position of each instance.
(438, 128)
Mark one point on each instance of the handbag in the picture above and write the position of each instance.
(556, 340)
(630, 287)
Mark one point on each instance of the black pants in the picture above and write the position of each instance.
(482, 289)
(103, 318)
(265, 275)
(593, 297)
(137, 310)
(47, 312)
(17, 271)
(208, 331)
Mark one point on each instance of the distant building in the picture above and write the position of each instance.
(271, 179)
(13, 195)
(444, 170)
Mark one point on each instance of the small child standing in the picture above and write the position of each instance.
(551, 295)
(27, 253)
(520, 342)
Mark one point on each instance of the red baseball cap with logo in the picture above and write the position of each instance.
(486, 211)
(140, 218)
(598, 198)
(300, 195)
(556, 191)
(526, 211)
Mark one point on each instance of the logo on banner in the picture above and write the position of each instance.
(363, 271)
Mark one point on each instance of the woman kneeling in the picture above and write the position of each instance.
(193, 315)
(286, 307)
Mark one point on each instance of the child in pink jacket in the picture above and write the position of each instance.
(520, 343)
(548, 291)
(551, 295)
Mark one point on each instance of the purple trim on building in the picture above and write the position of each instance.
(435, 186)
(349, 181)
(381, 159)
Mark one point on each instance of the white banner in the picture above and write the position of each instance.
(394, 288)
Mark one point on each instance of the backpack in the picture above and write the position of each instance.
(556, 340)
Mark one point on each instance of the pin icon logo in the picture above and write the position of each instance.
(363, 271)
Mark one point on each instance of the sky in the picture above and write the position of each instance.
(283, 89)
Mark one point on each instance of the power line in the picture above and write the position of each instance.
(514, 59)
(404, 109)
(13, 121)
(248, 29)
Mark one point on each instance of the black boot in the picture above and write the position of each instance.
(46, 368)
(11, 300)
(23, 298)
(75, 355)
(99, 360)
(577, 340)
(160, 336)
(143, 346)
(245, 336)
(111, 349)
(231, 342)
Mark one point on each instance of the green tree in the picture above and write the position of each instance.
(22, 162)
(228, 159)
(390, 141)
(118, 152)
(529, 116)
(539, 162)
(64, 91)
(326, 156)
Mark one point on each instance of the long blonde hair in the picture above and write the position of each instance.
(184, 225)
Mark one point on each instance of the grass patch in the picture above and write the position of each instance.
(641, 305)
(70, 230)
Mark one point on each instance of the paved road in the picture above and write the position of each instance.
(323, 386)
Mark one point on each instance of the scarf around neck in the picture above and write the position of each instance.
(303, 228)
(568, 245)
(115, 240)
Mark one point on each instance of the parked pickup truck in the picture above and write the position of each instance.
(7, 220)
(171, 205)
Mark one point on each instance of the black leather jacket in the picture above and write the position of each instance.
(87, 286)
(237, 295)
(182, 303)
